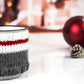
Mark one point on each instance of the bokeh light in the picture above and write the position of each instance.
(1, 15)
(9, 4)
(7, 23)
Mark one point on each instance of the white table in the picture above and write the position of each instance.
(50, 62)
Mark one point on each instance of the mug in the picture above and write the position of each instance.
(13, 51)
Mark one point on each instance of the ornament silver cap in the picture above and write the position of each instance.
(77, 51)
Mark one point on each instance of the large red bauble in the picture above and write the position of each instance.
(73, 31)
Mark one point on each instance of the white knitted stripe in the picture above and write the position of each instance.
(14, 35)
(14, 48)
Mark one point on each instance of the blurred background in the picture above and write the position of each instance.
(39, 14)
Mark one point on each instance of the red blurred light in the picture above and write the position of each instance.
(75, 28)
(83, 24)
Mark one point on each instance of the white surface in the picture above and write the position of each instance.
(50, 62)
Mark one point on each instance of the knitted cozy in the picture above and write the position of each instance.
(13, 50)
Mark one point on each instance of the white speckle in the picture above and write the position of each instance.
(83, 19)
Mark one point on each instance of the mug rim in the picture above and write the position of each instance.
(11, 28)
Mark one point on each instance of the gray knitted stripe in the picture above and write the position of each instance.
(13, 63)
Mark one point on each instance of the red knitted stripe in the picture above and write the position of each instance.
(4, 43)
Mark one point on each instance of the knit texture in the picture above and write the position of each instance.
(13, 63)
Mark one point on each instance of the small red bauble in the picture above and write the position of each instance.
(73, 31)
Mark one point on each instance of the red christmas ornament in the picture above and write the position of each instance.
(73, 31)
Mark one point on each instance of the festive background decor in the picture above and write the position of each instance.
(59, 3)
(8, 11)
(51, 14)
(74, 31)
